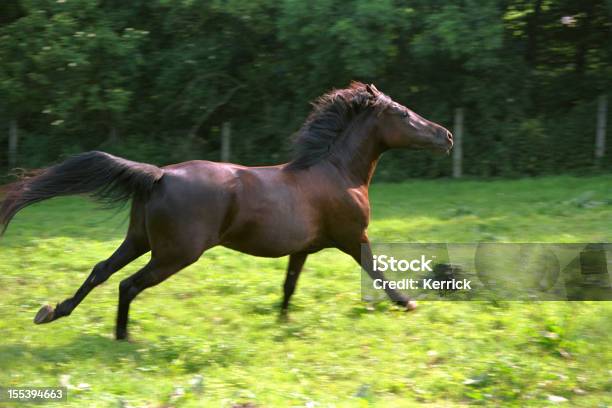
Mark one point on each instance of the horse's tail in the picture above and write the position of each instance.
(108, 179)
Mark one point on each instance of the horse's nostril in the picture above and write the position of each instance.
(449, 136)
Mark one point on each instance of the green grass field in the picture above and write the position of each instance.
(209, 336)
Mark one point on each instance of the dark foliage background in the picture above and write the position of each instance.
(153, 80)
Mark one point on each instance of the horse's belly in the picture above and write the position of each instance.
(259, 250)
(270, 240)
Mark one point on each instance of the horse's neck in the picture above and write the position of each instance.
(358, 159)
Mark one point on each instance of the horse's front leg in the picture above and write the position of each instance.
(296, 263)
(366, 261)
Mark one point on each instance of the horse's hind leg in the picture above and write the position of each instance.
(156, 271)
(129, 250)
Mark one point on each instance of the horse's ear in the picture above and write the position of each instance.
(372, 89)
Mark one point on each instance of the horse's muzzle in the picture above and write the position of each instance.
(445, 140)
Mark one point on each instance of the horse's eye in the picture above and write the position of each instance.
(404, 114)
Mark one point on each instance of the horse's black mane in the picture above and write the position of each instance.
(331, 115)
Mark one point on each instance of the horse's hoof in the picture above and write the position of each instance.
(411, 305)
(44, 315)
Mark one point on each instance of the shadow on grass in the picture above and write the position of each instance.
(81, 348)
(100, 351)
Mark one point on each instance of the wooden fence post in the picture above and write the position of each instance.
(13, 143)
(226, 140)
(457, 145)
(600, 136)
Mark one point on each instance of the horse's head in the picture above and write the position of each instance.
(399, 127)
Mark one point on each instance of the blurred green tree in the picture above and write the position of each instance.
(155, 80)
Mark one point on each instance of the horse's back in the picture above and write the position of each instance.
(256, 210)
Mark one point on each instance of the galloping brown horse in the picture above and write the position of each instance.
(318, 200)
